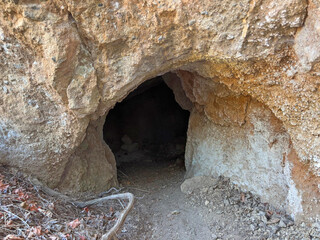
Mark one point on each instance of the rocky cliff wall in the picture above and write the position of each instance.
(64, 64)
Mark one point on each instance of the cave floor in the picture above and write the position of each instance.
(162, 211)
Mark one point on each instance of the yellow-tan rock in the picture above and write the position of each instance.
(249, 71)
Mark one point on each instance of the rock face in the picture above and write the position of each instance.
(249, 73)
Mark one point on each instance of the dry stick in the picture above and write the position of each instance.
(10, 213)
(113, 231)
(111, 189)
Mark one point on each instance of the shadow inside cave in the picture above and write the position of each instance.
(148, 127)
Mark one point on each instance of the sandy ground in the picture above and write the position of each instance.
(221, 211)
(166, 207)
(167, 214)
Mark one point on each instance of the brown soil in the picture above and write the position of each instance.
(161, 210)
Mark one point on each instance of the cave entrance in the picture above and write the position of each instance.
(147, 128)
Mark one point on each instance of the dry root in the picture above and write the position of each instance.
(111, 234)
(113, 231)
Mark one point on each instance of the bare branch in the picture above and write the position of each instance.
(111, 234)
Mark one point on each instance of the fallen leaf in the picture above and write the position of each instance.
(21, 195)
(86, 209)
(243, 197)
(273, 221)
(33, 207)
(51, 206)
(269, 213)
(24, 205)
(37, 230)
(111, 210)
(9, 223)
(73, 224)
(3, 187)
(12, 237)
(46, 213)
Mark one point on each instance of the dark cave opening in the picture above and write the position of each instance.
(147, 126)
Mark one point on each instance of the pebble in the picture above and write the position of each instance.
(252, 217)
(214, 236)
(204, 13)
(191, 22)
(175, 212)
(282, 224)
(5, 89)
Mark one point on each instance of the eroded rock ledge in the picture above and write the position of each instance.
(249, 70)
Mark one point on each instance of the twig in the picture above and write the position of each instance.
(8, 229)
(10, 213)
(140, 197)
(123, 173)
(37, 190)
(122, 217)
(113, 231)
(121, 203)
(50, 191)
(111, 189)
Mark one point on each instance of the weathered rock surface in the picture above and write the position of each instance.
(250, 68)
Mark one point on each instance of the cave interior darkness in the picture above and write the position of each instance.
(148, 125)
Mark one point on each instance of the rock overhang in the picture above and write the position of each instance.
(84, 56)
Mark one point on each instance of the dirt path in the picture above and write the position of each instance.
(168, 214)
(201, 208)
(222, 211)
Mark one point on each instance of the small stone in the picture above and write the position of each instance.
(230, 37)
(206, 202)
(214, 236)
(282, 224)
(264, 219)
(175, 212)
(23, 204)
(191, 22)
(204, 190)
(252, 227)
(5, 89)
(273, 221)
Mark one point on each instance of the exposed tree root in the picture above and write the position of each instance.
(113, 231)
(111, 234)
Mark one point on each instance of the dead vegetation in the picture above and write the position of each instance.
(27, 213)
